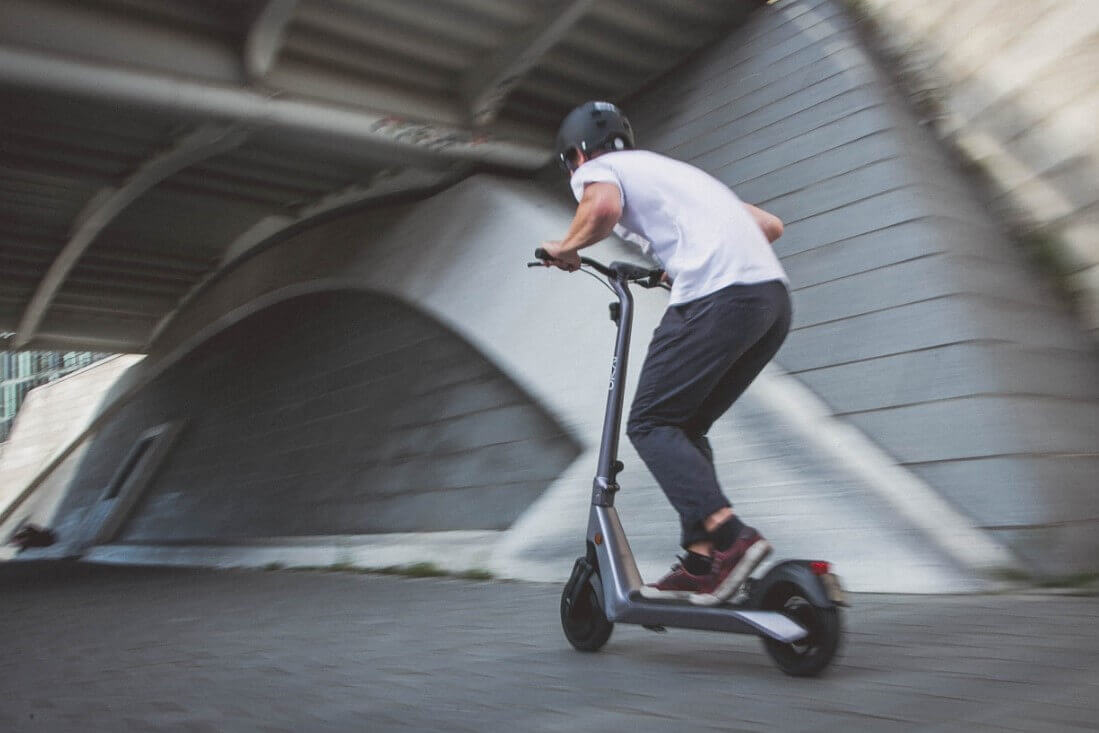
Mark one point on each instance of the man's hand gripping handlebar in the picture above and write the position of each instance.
(643, 276)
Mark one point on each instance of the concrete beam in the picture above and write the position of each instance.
(391, 35)
(265, 37)
(663, 31)
(389, 138)
(486, 86)
(385, 183)
(65, 339)
(107, 33)
(108, 203)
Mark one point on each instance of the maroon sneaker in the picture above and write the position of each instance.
(679, 584)
(732, 567)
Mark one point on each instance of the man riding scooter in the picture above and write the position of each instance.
(727, 316)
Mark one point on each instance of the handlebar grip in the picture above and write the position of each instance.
(542, 254)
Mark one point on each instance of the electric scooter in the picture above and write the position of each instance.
(793, 608)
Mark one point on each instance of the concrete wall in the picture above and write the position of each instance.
(230, 477)
(1015, 85)
(915, 319)
(337, 412)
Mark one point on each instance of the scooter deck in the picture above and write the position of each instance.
(685, 615)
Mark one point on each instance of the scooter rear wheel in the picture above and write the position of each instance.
(585, 624)
(806, 657)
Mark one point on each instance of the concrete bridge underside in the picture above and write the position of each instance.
(394, 380)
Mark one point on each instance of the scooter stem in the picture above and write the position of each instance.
(606, 481)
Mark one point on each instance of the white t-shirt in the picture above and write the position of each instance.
(686, 219)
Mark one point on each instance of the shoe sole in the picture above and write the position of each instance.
(755, 554)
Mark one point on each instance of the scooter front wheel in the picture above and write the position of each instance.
(583, 620)
(809, 656)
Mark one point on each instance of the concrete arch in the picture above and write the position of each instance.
(334, 412)
(460, 257)
(405, 253)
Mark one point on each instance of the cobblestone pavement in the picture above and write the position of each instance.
(90, 648)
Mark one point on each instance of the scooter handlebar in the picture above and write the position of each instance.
(543, 258)
(645, 277)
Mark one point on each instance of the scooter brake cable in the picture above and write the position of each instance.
(597, 277)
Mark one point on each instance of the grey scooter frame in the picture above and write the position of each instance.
(620, 580)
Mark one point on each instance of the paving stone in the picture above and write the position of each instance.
(102, 648)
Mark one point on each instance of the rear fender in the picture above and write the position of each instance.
(796, 572)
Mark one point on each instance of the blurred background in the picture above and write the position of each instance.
(298, 228)
(307, 199)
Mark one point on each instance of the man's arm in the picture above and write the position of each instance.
(599, 210)
(769, 223)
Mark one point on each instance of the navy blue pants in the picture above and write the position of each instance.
(702, 357)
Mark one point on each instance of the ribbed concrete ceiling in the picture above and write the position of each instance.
(146, 143)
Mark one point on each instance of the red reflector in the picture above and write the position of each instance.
(819, 567)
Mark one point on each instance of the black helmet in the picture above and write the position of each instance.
(592, 126)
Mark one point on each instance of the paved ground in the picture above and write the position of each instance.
(89, 648)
